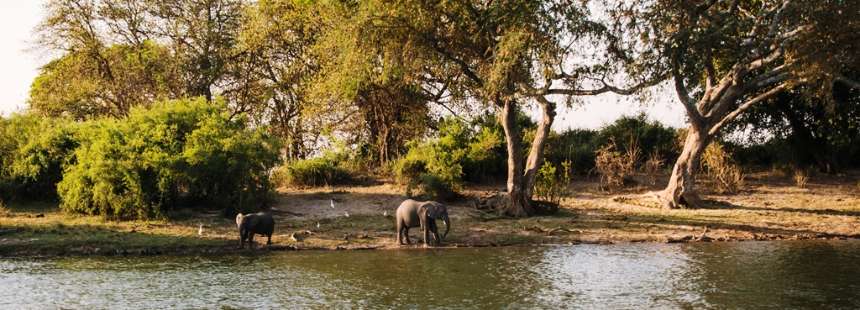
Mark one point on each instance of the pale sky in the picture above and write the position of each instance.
(20, 60)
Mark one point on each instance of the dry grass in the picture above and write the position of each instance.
(728, 176)
(613, 166)
(653, 166)
(801, 178)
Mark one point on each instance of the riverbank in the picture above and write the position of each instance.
(770, 208)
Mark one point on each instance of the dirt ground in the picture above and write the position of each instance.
(361, 217)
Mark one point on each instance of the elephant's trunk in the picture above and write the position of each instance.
(447, 222)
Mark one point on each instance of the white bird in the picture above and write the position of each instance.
(385, 213)
(200, 230)
(318, 225)
(346, 214)
(332, 203)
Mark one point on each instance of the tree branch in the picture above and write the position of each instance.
(684, 97)
(848, 82)
(746, 105)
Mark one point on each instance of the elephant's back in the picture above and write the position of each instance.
(263, 223)
(408, 212)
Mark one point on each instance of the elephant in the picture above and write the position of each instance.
(261, 223)
(412, 213)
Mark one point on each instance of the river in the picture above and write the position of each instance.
(786, 274)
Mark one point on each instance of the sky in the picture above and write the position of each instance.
(20, 59)
(19, 63)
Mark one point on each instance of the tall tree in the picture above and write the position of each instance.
(105, 81)
(203, 34)
(110, 48)
(269, 79)
(503, 53)
(727, 56)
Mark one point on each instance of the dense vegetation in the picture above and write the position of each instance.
(184, 152)
(431, 93)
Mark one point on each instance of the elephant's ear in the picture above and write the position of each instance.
(438, 209)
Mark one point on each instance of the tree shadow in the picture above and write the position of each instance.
(723, 205)
(644, 221)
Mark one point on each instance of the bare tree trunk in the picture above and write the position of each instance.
(681, 192)
(536, 155)
(518, 205)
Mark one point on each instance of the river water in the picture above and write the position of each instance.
(787, 274)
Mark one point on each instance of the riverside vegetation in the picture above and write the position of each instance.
(159, 121)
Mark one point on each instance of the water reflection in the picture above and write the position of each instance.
(719, 275)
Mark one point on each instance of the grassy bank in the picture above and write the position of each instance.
(770, 208)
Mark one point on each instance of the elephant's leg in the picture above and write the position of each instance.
(435, 233)
(406, 234)
(269, 241)
(251, 239)
(426, 233)
(399, 232)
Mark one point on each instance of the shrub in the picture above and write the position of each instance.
(579, 146)
(551, 185)
(728, 176)
(653, 166)
(435, 188)
(611, 165)
(141, 166)
(312, 172)
(441, 157)
(33, 152)
(649, 136)
(486, 156)
(801, 177)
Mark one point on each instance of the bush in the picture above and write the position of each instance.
(188, 150)
(649, 137)
(439, 160)
(728, 176)
(312, 172)
(33, 153)
(613, 166)
(581, 146)
(578, 146)
(551, 185)
(435, 188)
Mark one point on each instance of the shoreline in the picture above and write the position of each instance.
(769, 210)
(262, 250)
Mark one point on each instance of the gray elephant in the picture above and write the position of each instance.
(261, 223)
(412, 213)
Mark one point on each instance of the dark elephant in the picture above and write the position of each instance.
(261, 223)
(422, 214)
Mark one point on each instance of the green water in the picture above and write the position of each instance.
(778, 275)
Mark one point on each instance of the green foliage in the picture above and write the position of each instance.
(33, 152)
(581, 146)
(552, 185)
(578, 146)
(650, 136)
(146, 164)
(435, 188)
(441, 157)
(800, 131)
(107, 81)
(325, 170)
